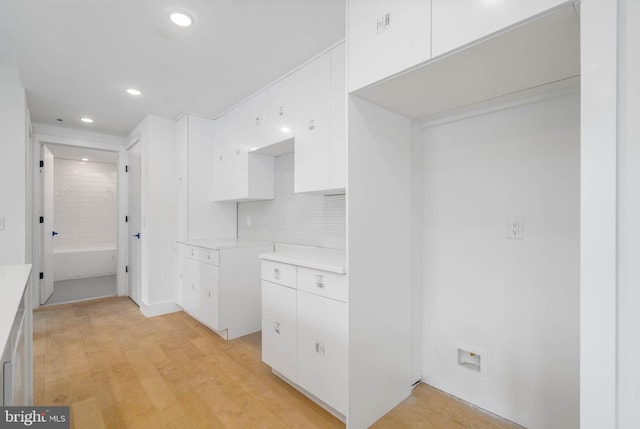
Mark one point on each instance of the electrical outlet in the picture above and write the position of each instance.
(515, 228)
(383, 22)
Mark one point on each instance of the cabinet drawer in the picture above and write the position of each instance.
(192, 252)
(323, 283)
(275, 272)
(210, 256)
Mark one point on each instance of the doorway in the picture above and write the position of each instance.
(79, 223)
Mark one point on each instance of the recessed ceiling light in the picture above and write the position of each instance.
(87, 120)
(181, 18)
(285, 129)
(133, 91)
(85, 159)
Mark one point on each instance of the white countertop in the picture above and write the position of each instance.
(13, 279)
(224, 243)
(333, 260)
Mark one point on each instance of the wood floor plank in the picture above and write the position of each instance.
(119, 369)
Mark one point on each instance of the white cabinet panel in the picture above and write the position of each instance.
(322, 348)
(338, 117)
(279, 328)
(458, 22)
(198, 216)
(281, 110)
(190, 287)
(320, 142)
(386, 37)
(208, 309)
(313, 126)
(283, 274)
(330, 285)
(254, 122)
(240, 175)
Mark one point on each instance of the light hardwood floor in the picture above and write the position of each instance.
(118, 369)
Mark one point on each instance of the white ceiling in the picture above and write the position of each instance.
(77, 154)
(76, 57)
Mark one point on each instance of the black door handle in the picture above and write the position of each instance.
(136, 235)
(53, 233)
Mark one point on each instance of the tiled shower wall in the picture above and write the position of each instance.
(85, 205)
(312, 220)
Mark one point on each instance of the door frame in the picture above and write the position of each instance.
(127, 250)
(60, 136)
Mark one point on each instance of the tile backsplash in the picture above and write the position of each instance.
(305, 219)
(85, 205)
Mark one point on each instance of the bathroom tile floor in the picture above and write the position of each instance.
(66, 291)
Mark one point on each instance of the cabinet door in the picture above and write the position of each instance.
(338, 118)
(191, 285)
(223, 158)
(256, 121)
(209, 305)
(313, 126)
(279, 328)
(182, 151)
(458, 22)
(322, 348)
(386, 37)
(281, 110)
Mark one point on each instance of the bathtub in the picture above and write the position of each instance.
(76, 264)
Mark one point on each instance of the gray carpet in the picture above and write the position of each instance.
(82, 289)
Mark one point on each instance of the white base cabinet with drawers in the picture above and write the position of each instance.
(220, 286)
(304, 330)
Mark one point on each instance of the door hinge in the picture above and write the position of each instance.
(41, 164)
(126, 218)
(126, 168)
(41, 219)
(41, 276)
(126, 268)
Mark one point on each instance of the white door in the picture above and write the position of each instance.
(134, 213)
(47, 228)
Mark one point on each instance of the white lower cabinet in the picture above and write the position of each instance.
(221, 287)
(279, 328)
(304, 330)
(322, 348)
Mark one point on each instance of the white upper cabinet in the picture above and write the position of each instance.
(458, 22)
(281, 110)
(241, 175)
(198, 216)
(320, 103)
(386, 37)
(253, 127)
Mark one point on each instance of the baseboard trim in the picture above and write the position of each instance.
(158, 309)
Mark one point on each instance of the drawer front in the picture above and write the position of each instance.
(210, 256)
(283, 274)
(323, 283)
(192, 252)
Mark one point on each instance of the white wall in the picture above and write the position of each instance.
(305, 219)
(159, 213)
(85, 205)
(13, 204)
(516, 302)
(628, 381)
